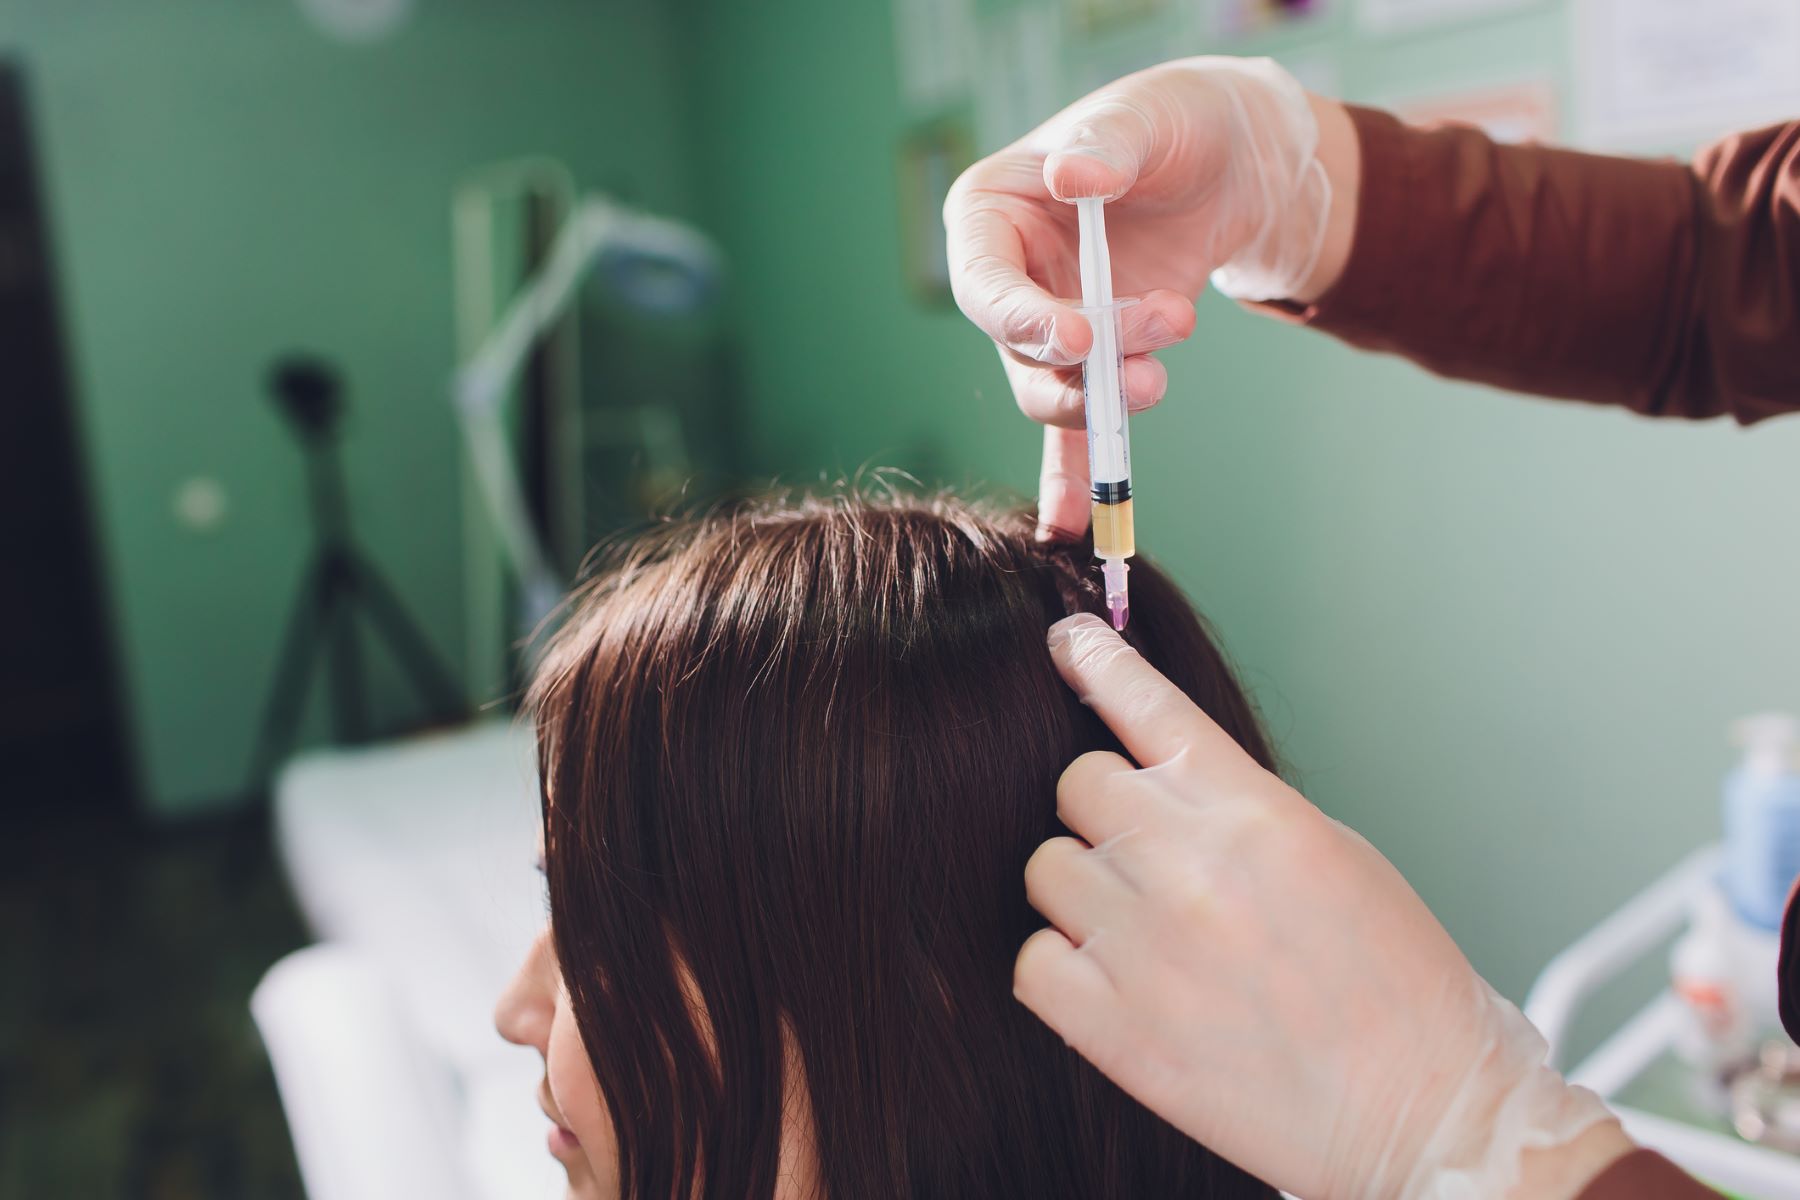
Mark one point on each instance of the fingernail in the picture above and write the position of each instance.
(1158, 330)
(1042, 534)
(1056, 174)
(1088, 142)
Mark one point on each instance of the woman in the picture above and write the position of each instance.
(795, 758)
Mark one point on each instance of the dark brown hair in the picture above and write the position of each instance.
(795, 756)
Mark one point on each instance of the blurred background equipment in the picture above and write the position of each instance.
(543, 450)
(215, 204)
(412, 861)
(339, 583)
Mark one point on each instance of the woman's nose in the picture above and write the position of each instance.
(525, 1009)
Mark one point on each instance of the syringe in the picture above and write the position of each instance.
(1103, 388)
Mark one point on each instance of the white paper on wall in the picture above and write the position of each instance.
(934, 46)
(1244, 18)
(1514, 112)
(1660, 73)
(1393, 16)
(1020, 82)
(358, 20)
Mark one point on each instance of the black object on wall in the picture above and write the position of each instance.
(63, 743)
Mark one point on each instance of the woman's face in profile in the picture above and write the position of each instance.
(534, 1011)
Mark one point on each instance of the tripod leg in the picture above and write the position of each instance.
(351, 710)
(282, 709)
(430, 677)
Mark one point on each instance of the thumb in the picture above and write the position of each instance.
(1156, 721)
(1099, 148)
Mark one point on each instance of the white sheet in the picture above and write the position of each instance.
(415, 859)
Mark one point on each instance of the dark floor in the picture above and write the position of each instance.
(129, 1066)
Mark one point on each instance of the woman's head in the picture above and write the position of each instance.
(795, 757)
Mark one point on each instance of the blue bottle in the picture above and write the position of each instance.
(1762, 819)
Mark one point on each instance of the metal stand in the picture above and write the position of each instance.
(339, 581)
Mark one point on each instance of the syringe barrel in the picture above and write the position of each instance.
(1103, 393)
(1114, 534)
(1103, 389)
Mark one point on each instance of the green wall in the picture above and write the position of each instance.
(1501, 637)
(228, 184)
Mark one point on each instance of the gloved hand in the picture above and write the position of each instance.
(1263, 978)
(1215, 168)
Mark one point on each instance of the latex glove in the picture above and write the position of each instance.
(1263, 978)
(1212, 163)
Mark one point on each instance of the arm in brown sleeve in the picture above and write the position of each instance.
(1645, 1175)
(1668, 289)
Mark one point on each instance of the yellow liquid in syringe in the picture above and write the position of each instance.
(1113, 533)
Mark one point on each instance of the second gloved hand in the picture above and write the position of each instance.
(1263, 978)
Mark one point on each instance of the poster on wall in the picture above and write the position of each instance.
(934, 43)
(1241, 18)
(1020, 83)
(1517, 112)
(1671, 73)
(931, 157)
(1108, 16)
(1397, 16)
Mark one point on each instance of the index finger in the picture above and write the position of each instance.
(988, 278)
(1152, 717)
(1063, 486)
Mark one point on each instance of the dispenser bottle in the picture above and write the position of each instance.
(1762, 820)
(1715, 1034)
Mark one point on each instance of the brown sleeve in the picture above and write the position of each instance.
(1787, 979)
(1668, 289)
(1645, 1175)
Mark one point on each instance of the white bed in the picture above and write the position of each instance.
(413, 863)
